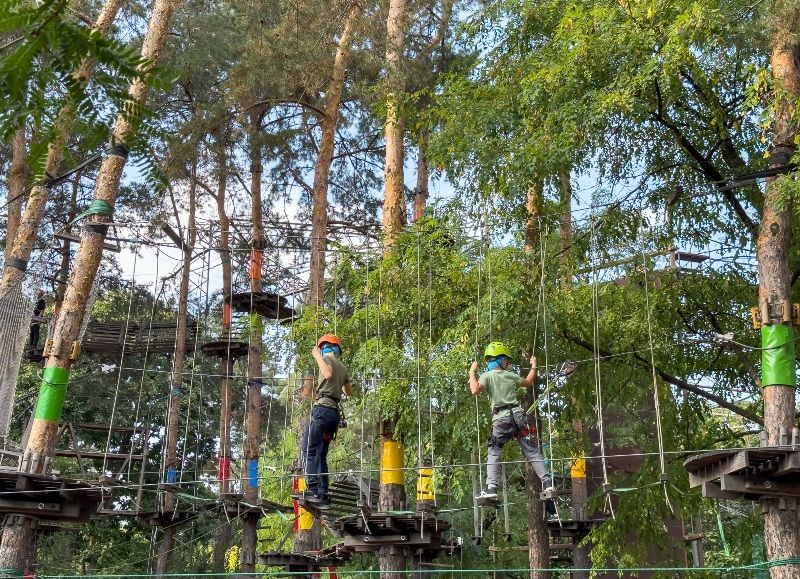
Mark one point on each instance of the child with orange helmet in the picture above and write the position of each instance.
(325, 417)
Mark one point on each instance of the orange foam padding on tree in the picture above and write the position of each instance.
(255, 264)
(224, 468)
(332, 573)
(226, 315)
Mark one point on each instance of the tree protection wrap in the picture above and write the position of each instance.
(777, 356)
(51, 394)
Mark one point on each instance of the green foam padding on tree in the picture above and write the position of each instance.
(51, 394)
(777, 356)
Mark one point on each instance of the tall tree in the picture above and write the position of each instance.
(394, 200)
(256, 347)
(17, 182)
(171, 461)
(19, 248)
(778, 372)
(311, 539)
(18, 532)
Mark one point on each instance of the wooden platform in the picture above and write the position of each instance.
(225, 349)
(365, 534)
(153, 518)
(574, 529)
(752, 474)
(308, 562)
(266, 304)
(48, 498)
(137, 338)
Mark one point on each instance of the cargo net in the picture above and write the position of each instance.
(16, 311)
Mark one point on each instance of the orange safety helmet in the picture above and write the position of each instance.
(329, 339)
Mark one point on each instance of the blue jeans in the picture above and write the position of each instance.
(321, 430)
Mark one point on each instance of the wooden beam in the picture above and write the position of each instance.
(77, 239)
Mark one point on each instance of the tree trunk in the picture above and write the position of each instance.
(391, 497)
(319, 195)
(394, 201)
(222, 543)
(42, 439)
(66, 250)
(421, 192)
(565, 223)
(533, 208)
(254, 368)
(17, 182)
(781, 530)
(20, 247)
(538, 537)
(174, 412)
(308, 532)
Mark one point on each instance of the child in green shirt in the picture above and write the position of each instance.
(509, 419)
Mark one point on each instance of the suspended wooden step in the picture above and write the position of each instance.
(238, 508)
(136, 338)
(350, 495)
(307, 562)
(48, 497)
(225, 349)
(575, 529)
(752, 474)
(268, 305)
(421, 533)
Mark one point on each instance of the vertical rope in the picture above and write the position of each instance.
(598, 387)
(121, 364)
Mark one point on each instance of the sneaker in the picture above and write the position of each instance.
(552, 518)
(488, 494)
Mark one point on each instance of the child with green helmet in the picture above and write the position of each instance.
(509, 419)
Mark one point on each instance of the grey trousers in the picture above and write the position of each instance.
(504, 429)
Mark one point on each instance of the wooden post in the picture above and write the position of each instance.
(778, 373)
(392, 497)
(18, 535)
(176, 385)
(394, 200)
(17, 182)
(319, 195)
(251, 480)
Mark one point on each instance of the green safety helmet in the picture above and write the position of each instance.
(495, 349)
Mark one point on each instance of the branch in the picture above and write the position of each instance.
(670, 379)
(709, 170)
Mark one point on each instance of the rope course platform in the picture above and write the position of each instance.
(47, 497)
(153, 518)
(225, 349)
(135, 338)
(350, 495)
(268, 305)
(82, 453)
(575, 529)
(753, 474)
(307, 562)
(420, 532)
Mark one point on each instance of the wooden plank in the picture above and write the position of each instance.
(71, 237)
(712, 490)
(788, 464)
(711, 472)
(95, 455)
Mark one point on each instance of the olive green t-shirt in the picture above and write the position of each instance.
(502, 388)
(332, 387)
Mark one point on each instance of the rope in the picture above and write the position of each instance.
(97, 207)
(121, 364)
(598, 387)
(410, 572)
(656, 401)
